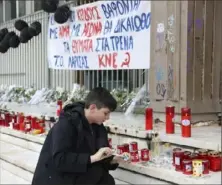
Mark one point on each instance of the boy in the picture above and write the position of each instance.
(76, 149)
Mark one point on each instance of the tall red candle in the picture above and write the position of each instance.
(149, 118)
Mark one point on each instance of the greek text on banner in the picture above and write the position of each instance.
(103, 35)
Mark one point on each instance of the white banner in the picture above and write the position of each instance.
(101, 36)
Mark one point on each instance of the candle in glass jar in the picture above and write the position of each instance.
(206, 166)
(193, 156)
(133, 146)
(120, 149)
(202, 154)
(186, 155)
(178, 160)
(175, 150)
(145, 154)
(134, 156)
(187, 166)
(215, 161)
(126, 147)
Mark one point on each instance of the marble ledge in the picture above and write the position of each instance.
(198, 140)
(34, 138)
(173, 176)
(27, 160)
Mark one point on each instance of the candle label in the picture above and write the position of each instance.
(188, 168)
(27, 126)
(177, 160)
(185, 122)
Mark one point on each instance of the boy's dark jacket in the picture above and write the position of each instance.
(61, 161)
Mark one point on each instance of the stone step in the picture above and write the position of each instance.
(36, 147)
(7, 177)
(152, 173)
(21, 163)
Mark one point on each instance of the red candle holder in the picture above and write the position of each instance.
(133, 146)
(194, 156)
(8, 119)
(178, 160)
(186, 155)
(33, 123)
(15, 123)
(170, 112)
(59, 107)
(186, 122)
(149, 118)
(215, 161)
(134, 156)
(202, 154)
(126, 147)
(21, 119)
(174, 151)
(27, 124)
(145, 154)
(206, 165)
(1, 119)
(187, 166)
(120, 149)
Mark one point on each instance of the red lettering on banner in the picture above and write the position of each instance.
(126, 62)
(88, 13)
(64, 31)
(92, 29)
(107, 60)
(82, 46)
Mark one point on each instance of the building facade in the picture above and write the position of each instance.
(186, 58)
(27, 65)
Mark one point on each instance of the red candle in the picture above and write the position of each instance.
(186, 155)
(215, 161)
(120, 149)
(7, 119)
(133, 146)
(145, 154)
(33, 123)
(149, 119)
(59, 107)
(134, 156)
(126, 147)
(169, 120)
(186, 122)
(206, 166)
(202, 154)
(21, 118)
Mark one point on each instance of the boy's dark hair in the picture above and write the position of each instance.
(102, 98)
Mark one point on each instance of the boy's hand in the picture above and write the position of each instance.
(125, 157)
(101, 154)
